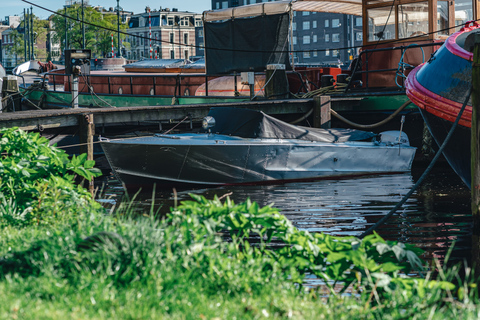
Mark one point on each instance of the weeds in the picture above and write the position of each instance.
(62, 256)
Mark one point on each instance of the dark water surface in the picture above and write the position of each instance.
(435, 217)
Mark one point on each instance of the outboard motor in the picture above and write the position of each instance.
(394, 138)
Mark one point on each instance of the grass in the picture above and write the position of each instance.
(139, 268)
(62, 256)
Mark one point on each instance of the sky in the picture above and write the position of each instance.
(15, 7)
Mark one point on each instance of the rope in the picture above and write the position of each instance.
(83, 144)
(403, 65)
(425, 173)
(370, 126)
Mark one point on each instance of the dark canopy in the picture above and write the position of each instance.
(246, 44)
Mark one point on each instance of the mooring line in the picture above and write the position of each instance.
(425, 173)
(84, 144)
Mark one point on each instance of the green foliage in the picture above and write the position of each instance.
(40, 29)
(205, 259)
(97, 39)
(216, 259)
(371, 262)
(36, 178)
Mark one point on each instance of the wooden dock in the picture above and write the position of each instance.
(49, 119)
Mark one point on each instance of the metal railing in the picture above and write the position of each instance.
(368, 55)
(131, 82)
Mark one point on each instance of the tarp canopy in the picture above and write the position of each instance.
(248, 38)
(269, 8)
(246, 123)
(242, 45)
(333, 6)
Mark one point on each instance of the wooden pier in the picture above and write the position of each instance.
(48, 119)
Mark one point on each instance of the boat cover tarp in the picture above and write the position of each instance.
(246, 44)
(266, 8)
(156, 63)
(246, 123)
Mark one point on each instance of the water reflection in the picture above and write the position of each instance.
(436, 216)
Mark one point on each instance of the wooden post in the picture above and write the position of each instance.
(475, 154)
(87, 131)
(321, 112)
(277, 86)
(10, 90)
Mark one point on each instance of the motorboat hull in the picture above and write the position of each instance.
(207, 159)
(439, 88)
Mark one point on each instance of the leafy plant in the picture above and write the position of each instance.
(371, 262)
(30, 169)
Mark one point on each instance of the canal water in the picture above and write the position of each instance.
(436, 218)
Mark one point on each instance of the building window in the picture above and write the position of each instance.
(327, 53)
(305, 13)
(184, 22)
(294, 40)
(306, 25)
(359, 36)
(171, 37)
(358, 21)
(172, 54)
(327, 23)
(314, 38)
(327, 37)
(306, 39)
(306, 55)
(185, 38)
(224, 4)
(335, 53)
(335, 23)
(186, 54)
(201, 46)
(171, 21)
(294, 26)
(336, 37)
(315, 53)
(314, 24)
(200, 33)
(217, 5)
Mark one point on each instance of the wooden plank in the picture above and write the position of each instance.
(34, 119)
(475, 154)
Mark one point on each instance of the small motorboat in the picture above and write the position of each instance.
(439, 88)
(242, 146)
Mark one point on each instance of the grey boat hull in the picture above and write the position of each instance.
(209, 159)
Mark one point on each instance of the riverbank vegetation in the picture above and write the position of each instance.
(63, 255)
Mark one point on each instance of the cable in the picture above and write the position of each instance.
(402, 65)
(425, 173)
(370, 126)
(92, 92)
(239, 50)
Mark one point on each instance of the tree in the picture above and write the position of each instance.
(40, 30)
(97, 38)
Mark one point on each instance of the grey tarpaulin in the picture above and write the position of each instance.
(248, 123)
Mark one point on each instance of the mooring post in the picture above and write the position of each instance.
(75, 91)
(86, 133)
(277, 85)
(321, 112)
(11, 94)
(475, 155)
